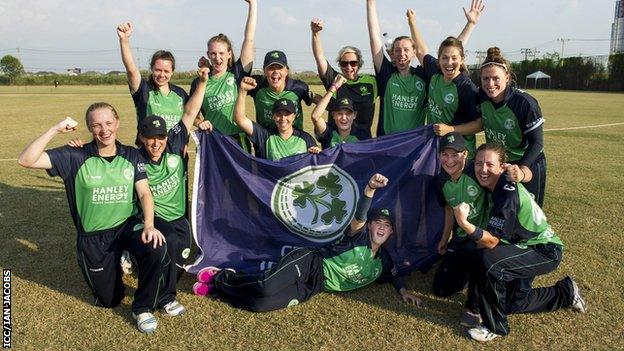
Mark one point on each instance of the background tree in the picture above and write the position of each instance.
(11, 67)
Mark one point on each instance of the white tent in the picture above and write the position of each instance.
(537, 76)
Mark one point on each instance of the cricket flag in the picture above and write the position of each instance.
(249, 212)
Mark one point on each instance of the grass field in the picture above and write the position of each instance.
(51, 302)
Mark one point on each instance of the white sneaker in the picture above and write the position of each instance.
(481, 334)
(126, 262)
(146, 322)
(174, 308)
(578, 302)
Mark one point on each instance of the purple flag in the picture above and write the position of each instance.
(248, 212)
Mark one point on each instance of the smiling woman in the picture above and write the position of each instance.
(156, 96)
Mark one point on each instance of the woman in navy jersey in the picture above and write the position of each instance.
(517, 244)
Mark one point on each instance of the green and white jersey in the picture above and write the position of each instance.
(452, 103)
(264, 98)
(149, 100)
(516, 218)
(167, 176)
(100, 191)
(349, 264)
(465, 189)
(220, 97)
(271, 146)
(402, 99)
(510, 121)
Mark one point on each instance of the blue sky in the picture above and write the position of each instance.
(55, 35)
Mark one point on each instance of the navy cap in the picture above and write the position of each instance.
(284, 105)
(152, 126)
(275, 57)
(381, 213)
(454, 141)
(342, 103)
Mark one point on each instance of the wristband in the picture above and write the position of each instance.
(476, 235)
(362, 208)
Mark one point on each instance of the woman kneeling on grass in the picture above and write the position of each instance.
(101, 180)
(354, 262)
(519, 245)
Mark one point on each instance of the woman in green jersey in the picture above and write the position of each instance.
(101, 180)
(226, 73)
(282, 141)
(451, 93)
(340, 128)
(402, 88)
(518, 245)
(156, 95)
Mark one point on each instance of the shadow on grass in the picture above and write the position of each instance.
(39, 241)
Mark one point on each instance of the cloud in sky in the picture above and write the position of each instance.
(282, 16)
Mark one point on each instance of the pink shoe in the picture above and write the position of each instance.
(205, 275)
(201, 289)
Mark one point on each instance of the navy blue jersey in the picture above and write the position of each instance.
(516, 122)
(100, 191)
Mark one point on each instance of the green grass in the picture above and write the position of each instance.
(51, 302)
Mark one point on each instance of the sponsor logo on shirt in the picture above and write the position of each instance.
(497, 222)
(95, 176)
(172, 162)
(509, 187)
(472, 190)
(449, 98)
(420, 86)
(509, 124)
(128, 173)
(364, 90)
(141, 167)
(229, 81)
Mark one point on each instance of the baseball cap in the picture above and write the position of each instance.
(152, 125)
(341, 103)
(381, 213)
(454, 141)
(275, 57)
(284, 105)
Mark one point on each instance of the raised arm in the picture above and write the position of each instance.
(419, 41)
(150, 234)
(193, 105)
(240, 118)
(317, 114)
(472, 17)
(34, 155)
(359, 220)
(247, 50)
(124, 31)
(316, 25)
(373, 33)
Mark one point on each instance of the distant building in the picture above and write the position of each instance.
(617, 29)
(74, 71)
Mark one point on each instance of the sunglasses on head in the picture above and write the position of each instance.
(349, 63)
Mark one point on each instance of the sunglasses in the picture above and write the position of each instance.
(348, 63)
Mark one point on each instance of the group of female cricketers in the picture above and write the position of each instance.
(495, 239)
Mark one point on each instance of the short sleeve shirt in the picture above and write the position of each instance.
(402, 99)
(452, 103)
(362, 91)
(264, 98)
(272, 146)
(330, 137)
(167, 176)
(100, 193)
(465, 189)
(220, 97)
